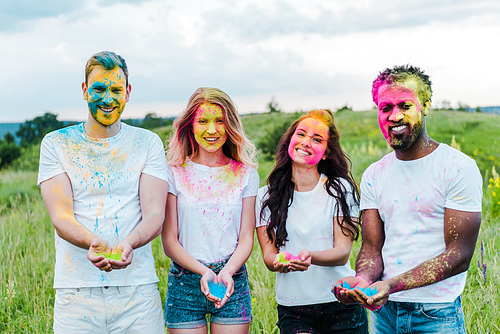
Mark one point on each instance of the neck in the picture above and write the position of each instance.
(423, 146)
(305, 178)
(211, 159)
(96, 130)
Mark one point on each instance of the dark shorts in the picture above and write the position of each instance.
(187, 307)
(332, 317)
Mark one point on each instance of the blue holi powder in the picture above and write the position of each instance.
(217, 289)
(367, 291)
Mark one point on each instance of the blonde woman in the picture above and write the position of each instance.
(209, 225)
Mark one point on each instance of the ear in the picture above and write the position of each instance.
(426, 107)
(84, 90)
(127, 96)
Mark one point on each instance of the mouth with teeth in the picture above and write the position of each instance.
(303, 152)
(106, 110)
(211, 139)
(399, 129)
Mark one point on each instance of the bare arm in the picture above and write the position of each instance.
(336, 256)
(58, 198)
(269, 251)
(369, 263)
(243, 249)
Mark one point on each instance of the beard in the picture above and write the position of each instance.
(405, 141)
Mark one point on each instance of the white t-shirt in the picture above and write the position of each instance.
(104, 175)
(209, 205)
(411, 197)
(309, 225)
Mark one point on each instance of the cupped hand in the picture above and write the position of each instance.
(301, 262)
(279, 266)
(126, 252)
(99, 247)
(343, 294)
(208, 276)
(225, 278)
(377, 300)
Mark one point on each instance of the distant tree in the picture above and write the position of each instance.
(344, 108)
(446, 105)
(478, 109)
(9, 138)
(463, 106)
(8, 153)
(34, 130)
(269, 142)
(152, 121)
(273, 106)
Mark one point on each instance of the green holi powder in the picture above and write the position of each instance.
(112, 256)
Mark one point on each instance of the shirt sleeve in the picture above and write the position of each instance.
(261, 196)
(368, 196)
(171, 181)
(156, 163)
(252, 187)
(50, 164)
(464, 187)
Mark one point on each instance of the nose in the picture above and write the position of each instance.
(107, 97)
(211, 128)
(396, 115)
(306, 141)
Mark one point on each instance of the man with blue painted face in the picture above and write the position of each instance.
(104, 185)
(421, 216)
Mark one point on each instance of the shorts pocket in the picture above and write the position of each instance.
(66, 297)
(352, 306)
(440, 311)
(147, 290)
(241, 271)
(175, 270)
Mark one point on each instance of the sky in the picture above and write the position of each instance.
(303, 54)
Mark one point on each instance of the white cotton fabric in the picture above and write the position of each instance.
(104, 175)
(411, 197)
(209, 206)
(309, 225)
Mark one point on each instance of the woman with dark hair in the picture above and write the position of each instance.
(310, 208)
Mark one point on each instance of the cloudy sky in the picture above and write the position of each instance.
(304, 54)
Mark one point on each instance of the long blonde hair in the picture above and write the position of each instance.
(183, 145)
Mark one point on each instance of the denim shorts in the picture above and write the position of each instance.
(186, 307)
(331, 317)
(403, 317)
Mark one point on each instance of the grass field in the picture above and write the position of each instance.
(27, 235)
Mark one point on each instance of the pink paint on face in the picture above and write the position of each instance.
(309, 142)
(208, 127)
(399, 114)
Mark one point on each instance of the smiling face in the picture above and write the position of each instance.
(309, 142)
(106, 93)
(400, 114)
(208, 127)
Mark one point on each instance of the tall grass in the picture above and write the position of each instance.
(27, 234)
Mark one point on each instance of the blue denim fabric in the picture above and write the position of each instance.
(186, 307)
(324, 318)
(416, 318)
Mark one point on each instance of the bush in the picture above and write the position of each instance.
(268, 144)
(8, 153)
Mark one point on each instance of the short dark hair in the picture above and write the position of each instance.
(401, 74)
(109, 61)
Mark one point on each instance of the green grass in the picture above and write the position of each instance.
(27, 235)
